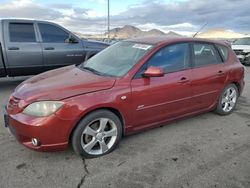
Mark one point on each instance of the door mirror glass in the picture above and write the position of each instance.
(154, 72)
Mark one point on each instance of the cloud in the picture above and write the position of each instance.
(224, 13)
(73, 18)
(99, 1)
(176, 27)
(27, 9)
(182, 15)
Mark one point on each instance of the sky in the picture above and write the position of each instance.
(90, 16)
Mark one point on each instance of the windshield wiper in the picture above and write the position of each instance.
(92, 70)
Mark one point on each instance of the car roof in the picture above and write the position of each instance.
(166, 40)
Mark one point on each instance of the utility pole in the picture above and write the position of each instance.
(108, 22)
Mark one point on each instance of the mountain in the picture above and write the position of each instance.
(154, 32)
(129, 31)
(173, 34)
(125, 32)
(220, 34)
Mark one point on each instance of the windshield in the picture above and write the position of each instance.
(243, 41)
(117, 59)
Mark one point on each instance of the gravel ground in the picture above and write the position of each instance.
(204, 151)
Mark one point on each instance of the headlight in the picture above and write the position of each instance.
(43, 108)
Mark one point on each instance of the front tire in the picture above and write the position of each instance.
(97, 134)
(228, 100)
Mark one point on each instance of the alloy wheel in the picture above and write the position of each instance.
(99, 136)
(229, 99)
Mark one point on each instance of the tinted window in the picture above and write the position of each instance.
(22, 32)
(223, 51)
(205, 54)
(52, 34)
(171, 58)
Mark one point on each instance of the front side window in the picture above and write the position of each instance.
(205, 54)
(22, 32)
(117, 59)
(52, 34)
(171, 58)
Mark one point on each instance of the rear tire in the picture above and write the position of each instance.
(97, 134)
(228, 100)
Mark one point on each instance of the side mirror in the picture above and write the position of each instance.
(71, 40)
(154, 72)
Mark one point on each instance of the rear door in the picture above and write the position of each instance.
(57, 50)
(209, 75)
(24, 52)
(158, 99)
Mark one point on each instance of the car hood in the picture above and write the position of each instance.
(241, 47)
(95, 44)
(62, 83)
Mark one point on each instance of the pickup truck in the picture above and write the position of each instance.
(29, 47)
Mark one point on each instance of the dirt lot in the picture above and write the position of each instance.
(204, 151)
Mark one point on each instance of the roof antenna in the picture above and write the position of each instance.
(200, 30)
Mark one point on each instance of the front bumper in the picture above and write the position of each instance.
(52, 132)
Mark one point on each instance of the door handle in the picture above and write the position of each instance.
(183, 80)
(13, 48)
(49, 48)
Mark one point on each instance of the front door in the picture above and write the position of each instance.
(57, 50)
(158, 99)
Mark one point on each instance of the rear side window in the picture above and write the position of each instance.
(205, 54)
(52, 34)
(171, 58)
(223, 51)
(22, 32)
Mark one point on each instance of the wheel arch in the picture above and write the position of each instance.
(236, 83)
(111, 109)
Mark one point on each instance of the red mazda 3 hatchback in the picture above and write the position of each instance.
(131, 86)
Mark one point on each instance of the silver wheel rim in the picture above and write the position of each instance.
(229, 99)
(99, 136)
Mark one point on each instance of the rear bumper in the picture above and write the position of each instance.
(52, 132)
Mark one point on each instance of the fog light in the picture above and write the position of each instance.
(35, 142)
